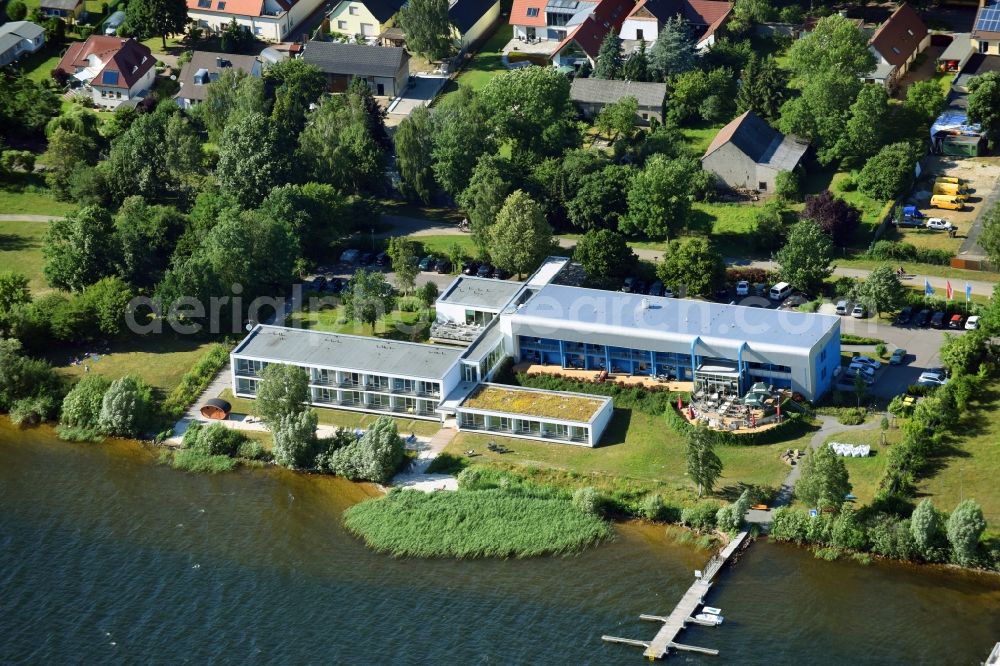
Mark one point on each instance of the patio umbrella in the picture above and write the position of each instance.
(680, 404)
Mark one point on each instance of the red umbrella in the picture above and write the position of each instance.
(690, 413)
(680, 404)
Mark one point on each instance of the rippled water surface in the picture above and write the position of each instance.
(106, 556)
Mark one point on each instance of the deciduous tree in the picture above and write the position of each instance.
(605, 256)
(601, 198)
(984, 103)
(297, 84)
(867, 126)
(692, 266)
(126, 407)
(834, 216)
(156, 18)
(282, 392)
(889, 172)
(488, 189)
(81, 408)
(617, 119)
(427, 27)
(339, 147)
(805, 259)
(821, 111)
(521, 237)
(414, 141)
(79, 250)
(659, 201)
(927, 529)
(834, 45)
(294, 437)
(882, 291)
(965, 525)
(250, 160)
(461, 136)
(530, 107)
(703, 465)
(368, 298)
(824, 482)
(403, 254)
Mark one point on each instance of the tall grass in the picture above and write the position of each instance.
(474, 523)
(196, 380)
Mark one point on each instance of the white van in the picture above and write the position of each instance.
(842, 307)
(780, 291)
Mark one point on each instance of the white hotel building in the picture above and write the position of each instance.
(541, 322)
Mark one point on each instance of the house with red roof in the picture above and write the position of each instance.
(705, 17)
(268, 20)
(896, 44)
(115, 69)
(583, 39)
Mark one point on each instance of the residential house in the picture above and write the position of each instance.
(363, 18)
(205, 67)
(18, 38)
(386, 69)
(117, 70)
(704, 17)
(749, 153)
(896, 44)
(986, 29)
(582, 42)
(65, 9)
(592, 95)
(268, 20)
(471, 20)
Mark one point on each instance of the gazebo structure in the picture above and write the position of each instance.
(216, 409)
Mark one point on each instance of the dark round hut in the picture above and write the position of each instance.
(216, 408)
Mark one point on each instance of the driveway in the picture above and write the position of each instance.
(422, 89)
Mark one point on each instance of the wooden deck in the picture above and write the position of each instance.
(684, 612)
(612, 378)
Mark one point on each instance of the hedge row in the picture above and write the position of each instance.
(196, 380)
(896, 251)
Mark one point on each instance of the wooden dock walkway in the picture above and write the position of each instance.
(685, 610)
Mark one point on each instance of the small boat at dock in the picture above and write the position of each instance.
(709, 618)
(712, 610)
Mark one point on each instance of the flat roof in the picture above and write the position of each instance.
(481, 293)
(350, 352)
(532, 402)
(614, 317)
(548, 271)
(484, 343)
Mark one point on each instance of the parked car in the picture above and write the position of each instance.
(656, 289)
(499, 274)
(349, 256)
(628, 285)
(866, 361)
(947, 202)
(743, 288)
(904, 316)
(955, 321)
(866, 373)
(470, 267)
(366, 258)
(484, 270)
(668, 292)
(426, 264)
(639, 287)
(933, 377)
(898, 356)
(442, 266)
(843, 307)
(972, 323)
(760, 289)
(939, 224)
(382, 259)
(859, 312)
(911, 218)
(336, 285)
(937, 321)
(923, 318)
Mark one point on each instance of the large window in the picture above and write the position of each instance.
(404, 385)
(478, 317)
(249, 368)
(246, 386)
(492, 360)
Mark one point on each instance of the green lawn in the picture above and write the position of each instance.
(28, 194)
(638, 447)
(699, 137)
(21, 251)
(395, 325)
(440, 245)
(160, 360)
(865, 473)
(342, 417)
(486, 64)
(926, 269)
(972, 467)
(872, 211)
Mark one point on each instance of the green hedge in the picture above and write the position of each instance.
(897, 251)
(648, 400)
(196, 380)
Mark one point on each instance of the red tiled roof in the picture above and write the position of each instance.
(238, 7)
(903, 31)
(709, 13)
(127, 58)
(609, 15)
(519, 13)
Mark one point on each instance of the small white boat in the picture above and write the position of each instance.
(709, 617)
(712, 610)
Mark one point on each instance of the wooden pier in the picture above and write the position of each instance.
(684, 612)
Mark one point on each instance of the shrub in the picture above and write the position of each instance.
(196, 380)
(588, 500)
(215, 439)
(848, 184)
(32, 410)
(16, 10)
(880, 350)
(790, 525)
(653, 507)
(852, 416)
(730, 518)
(81, 408)
(888, 172)
(788, 185)
(890, 537)
(294, 444)
(251, 449)
(125, 407)
(374, 457)
(701, 516)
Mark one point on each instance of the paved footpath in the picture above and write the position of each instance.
(22, 217)
(415, 476)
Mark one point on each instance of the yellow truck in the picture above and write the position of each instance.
(948, 202)
(950, 179)
(949, 189)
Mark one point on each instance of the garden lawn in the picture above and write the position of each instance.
(440, 245)
(866, 473)
(483, 66)
(342, 417)
(872, 211)
(32, 200)
(473, 523)
(698, 138)
(395, 325)
(935, 270)
(636, 446)
(160, 360)
(972, 467)
(926, 239)
(21, 251)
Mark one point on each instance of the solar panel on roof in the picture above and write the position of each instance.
(110, 78)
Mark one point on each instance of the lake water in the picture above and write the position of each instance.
(106, 556)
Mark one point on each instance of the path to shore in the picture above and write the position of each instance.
(829, 426)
